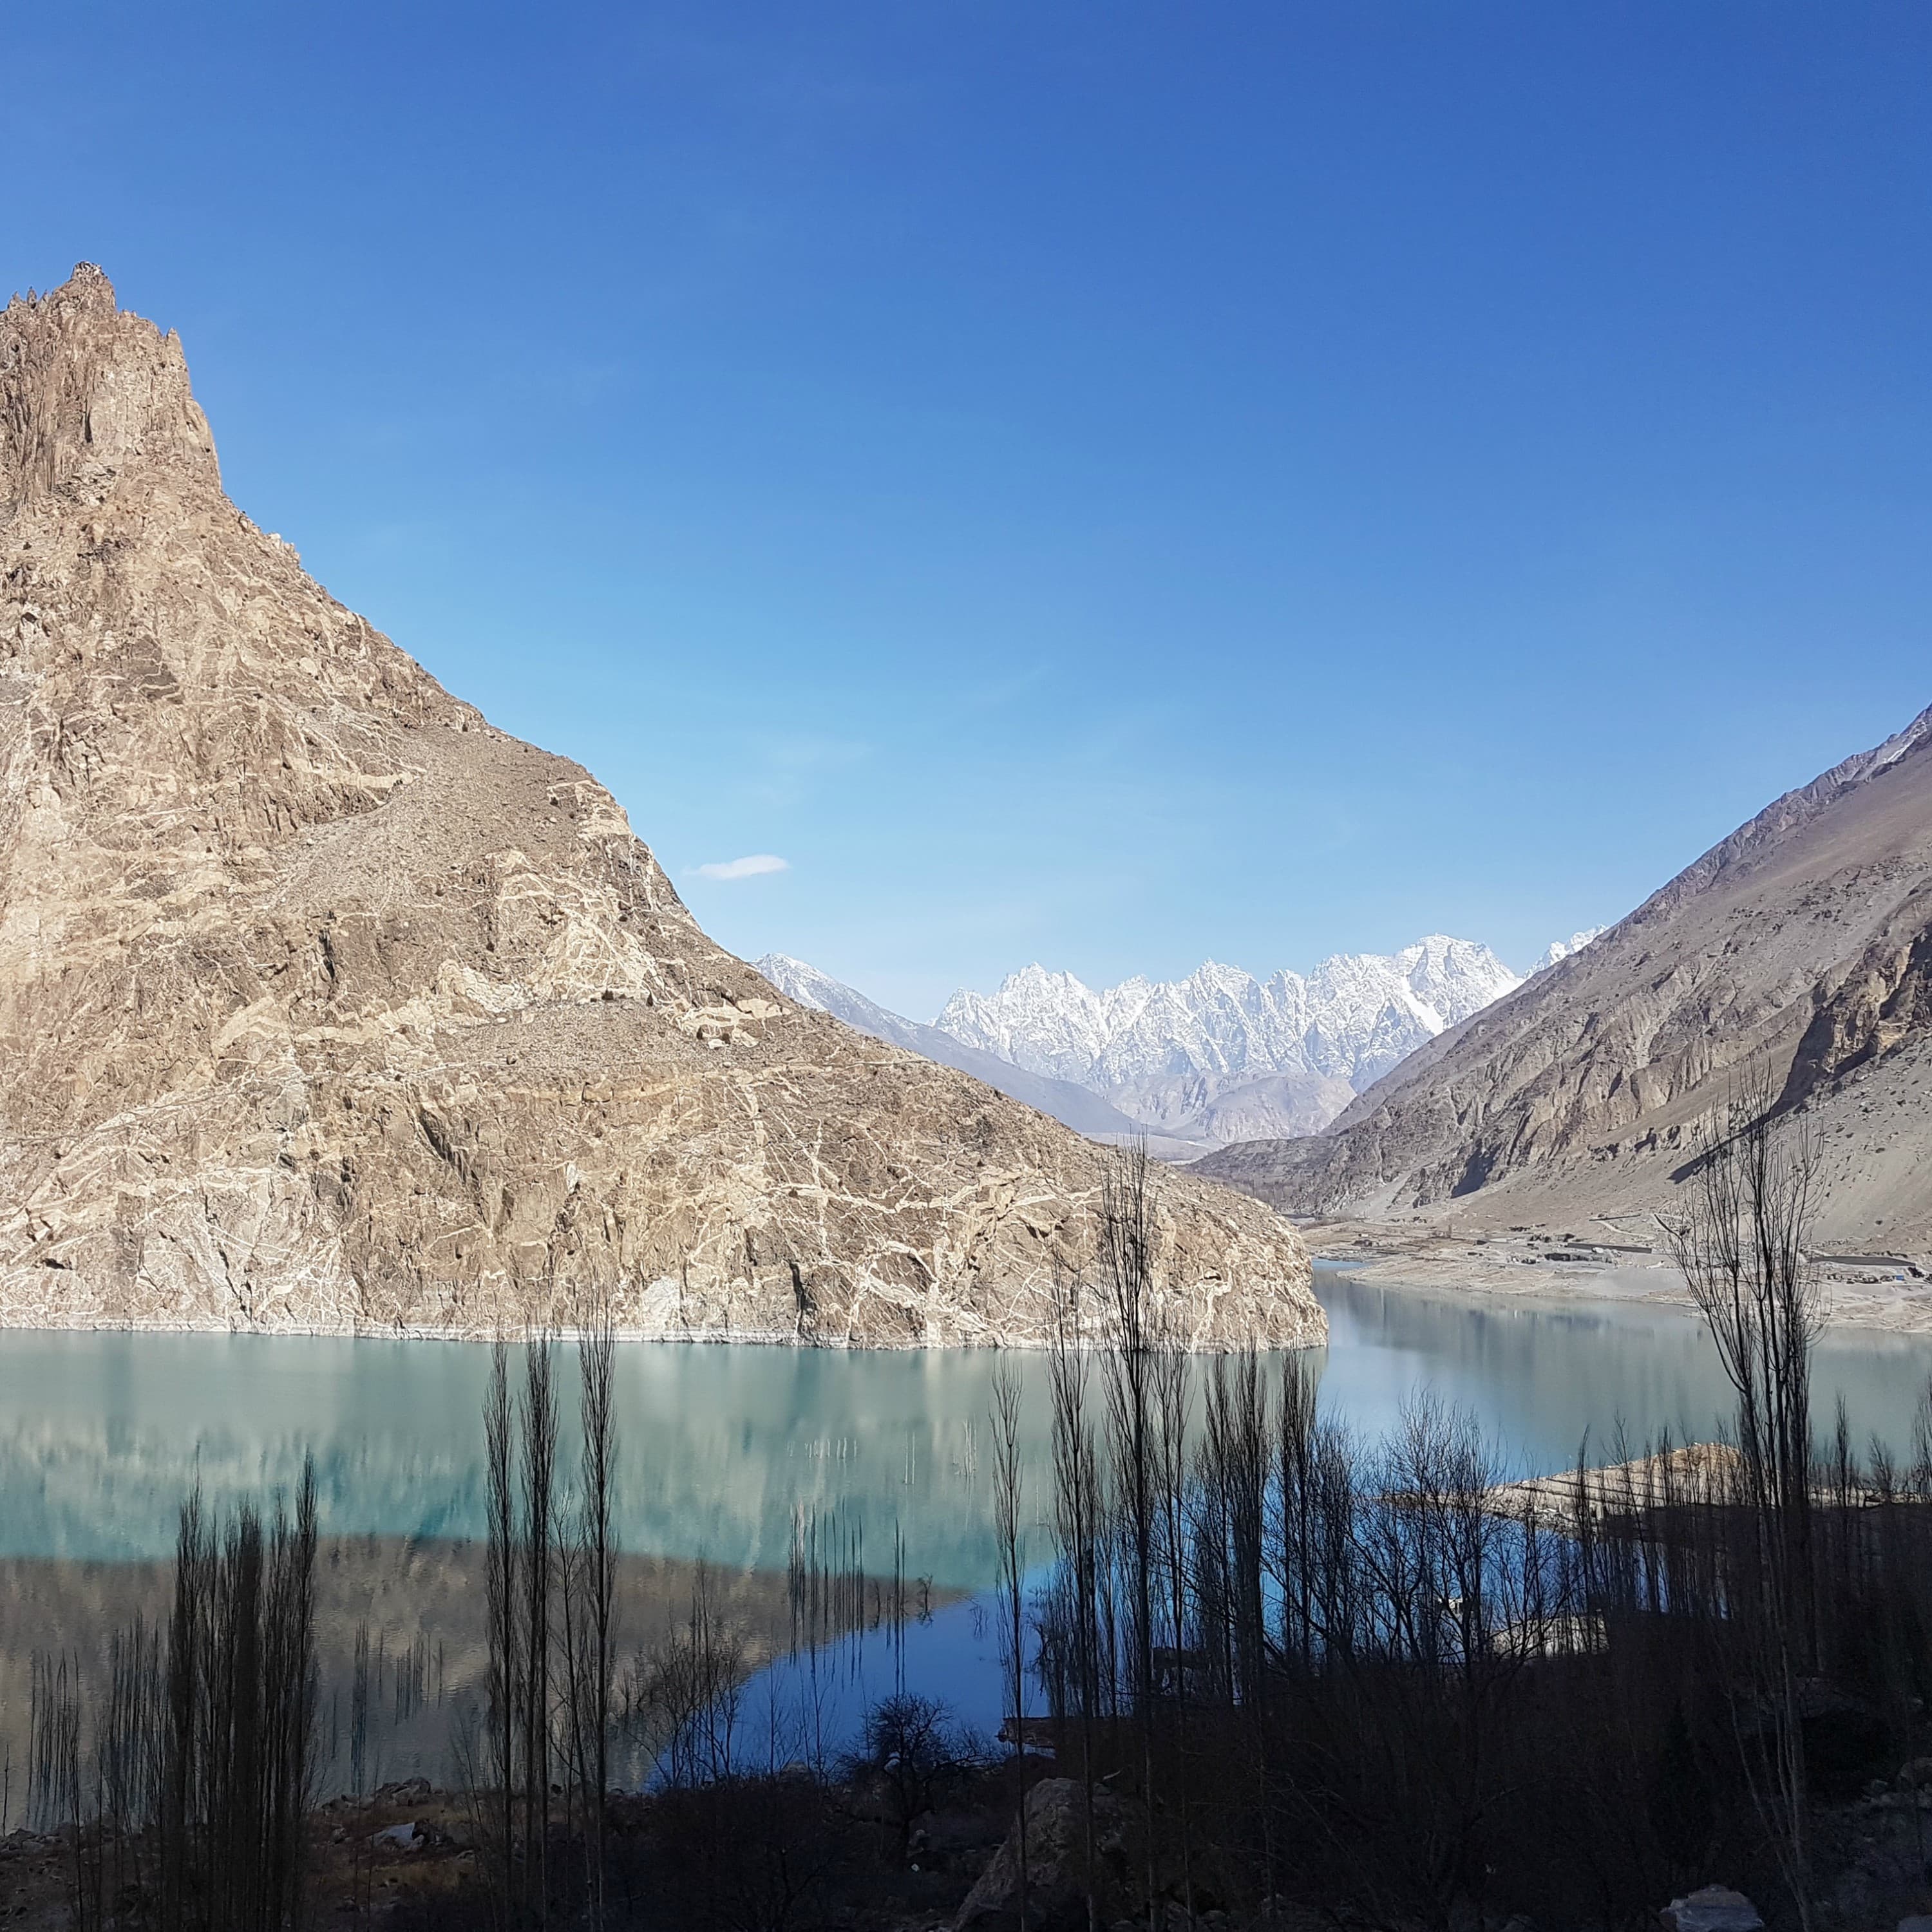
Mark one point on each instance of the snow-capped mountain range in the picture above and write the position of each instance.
(1222, 1055)
(1217, 1057)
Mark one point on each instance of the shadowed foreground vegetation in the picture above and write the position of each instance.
(1274, 1672)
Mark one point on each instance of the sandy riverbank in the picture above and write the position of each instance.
(1626, 1260)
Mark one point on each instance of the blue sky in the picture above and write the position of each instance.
(1107, 484)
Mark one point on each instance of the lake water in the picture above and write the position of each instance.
(728, 1455)
(102, 1435)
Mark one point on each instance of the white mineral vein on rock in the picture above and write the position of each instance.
(323, 1004)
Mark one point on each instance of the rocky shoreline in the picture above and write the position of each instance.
(1598, 1261)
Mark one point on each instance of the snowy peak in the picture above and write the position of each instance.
(1170, 1053)
(1869, 763)
(1216, 1056)
(1077, 1107)
(805, 985)
(1561, 948)
(1454, 977)
(1049, 1023)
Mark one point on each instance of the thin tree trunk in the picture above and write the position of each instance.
(596, 1355)
(1007, 1497)
(504, 1646)
(539, 1419)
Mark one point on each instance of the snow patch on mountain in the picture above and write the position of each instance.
(806, 986)
(1561, 948)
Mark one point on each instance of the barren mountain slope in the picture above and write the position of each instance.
(1803, 943)
(324, 1004)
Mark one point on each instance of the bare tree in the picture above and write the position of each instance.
(288, 1701)
(1237, 1455)
(1075, 1620)
(681, 1695)
(591, 1708)
(198, 1764)
(1008, 1478)
(1741, 1242)
(503, 1608)
(1127, 1242)
(1173, 1392)
(539, 1498)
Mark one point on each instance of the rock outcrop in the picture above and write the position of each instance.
(325, 1005)
(1798, 950)
(1714, 1908)
(1054, 1817)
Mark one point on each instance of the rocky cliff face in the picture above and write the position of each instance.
(324, 1004)
(1801, 946)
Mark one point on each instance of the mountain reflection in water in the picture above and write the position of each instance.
(729, 1455)
(724, 1449)
(399, 1643)
(1544, 1372)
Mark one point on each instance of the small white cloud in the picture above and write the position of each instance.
(743, 868)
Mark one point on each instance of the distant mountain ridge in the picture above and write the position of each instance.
(1222, 1055)
(1188, 1064)
(1076, 1107)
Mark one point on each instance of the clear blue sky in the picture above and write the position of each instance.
(1111, 485)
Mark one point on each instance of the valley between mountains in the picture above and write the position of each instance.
(327, 1006)
(1189, 1064)
(1434, 1117)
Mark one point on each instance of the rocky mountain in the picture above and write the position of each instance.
(1222, 1056)
(1084, 1111)
(323, 1004)
(1800, 947)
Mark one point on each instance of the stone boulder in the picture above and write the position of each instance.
(1055, 1819)
(1713, 1908)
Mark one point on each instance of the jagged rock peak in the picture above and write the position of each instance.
(323, 1004)
(87, 389)
(1220, 1052)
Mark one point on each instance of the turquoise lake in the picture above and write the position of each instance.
(729, 1456)
(724, 1449)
